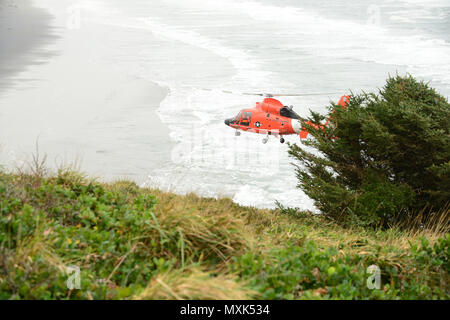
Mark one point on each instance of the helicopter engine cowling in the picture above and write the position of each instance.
(270, 105)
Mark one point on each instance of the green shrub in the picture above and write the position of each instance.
(311, 272)
(114, 235)
(128, 245)
(433, 264)
(381, 156)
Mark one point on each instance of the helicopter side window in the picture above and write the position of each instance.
(246, 118)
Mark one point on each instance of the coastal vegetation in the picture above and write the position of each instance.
(136, 243)
(379, 174)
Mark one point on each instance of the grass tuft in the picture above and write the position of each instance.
(193, 283)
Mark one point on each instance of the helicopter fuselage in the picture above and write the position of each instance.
(271, 117)
(266, 118)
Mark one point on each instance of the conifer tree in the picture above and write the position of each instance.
(382, 156)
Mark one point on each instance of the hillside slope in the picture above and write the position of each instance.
(134, 243)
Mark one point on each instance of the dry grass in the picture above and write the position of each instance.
(428, 222)
(264, 229)
(193, 283)
(204, 220)
(31, 256)
(271, 228)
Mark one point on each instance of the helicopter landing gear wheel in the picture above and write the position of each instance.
(237, 133)
(265, 140)
(282, 140)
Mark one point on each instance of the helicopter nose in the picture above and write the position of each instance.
(227, 122)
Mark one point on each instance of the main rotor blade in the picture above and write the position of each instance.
(281, 94)
(303, 94)
(276, 94)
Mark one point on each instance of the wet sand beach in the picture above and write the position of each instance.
(24, 30)
(79, 109)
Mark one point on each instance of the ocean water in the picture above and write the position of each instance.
(199, 49)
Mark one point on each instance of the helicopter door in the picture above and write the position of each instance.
(246, 118)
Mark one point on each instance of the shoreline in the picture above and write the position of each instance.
(75, 105)
(25, 30)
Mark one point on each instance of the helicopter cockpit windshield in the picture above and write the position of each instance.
(288, 112)
(237, 118)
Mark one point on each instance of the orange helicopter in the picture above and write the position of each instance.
(271, 117)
